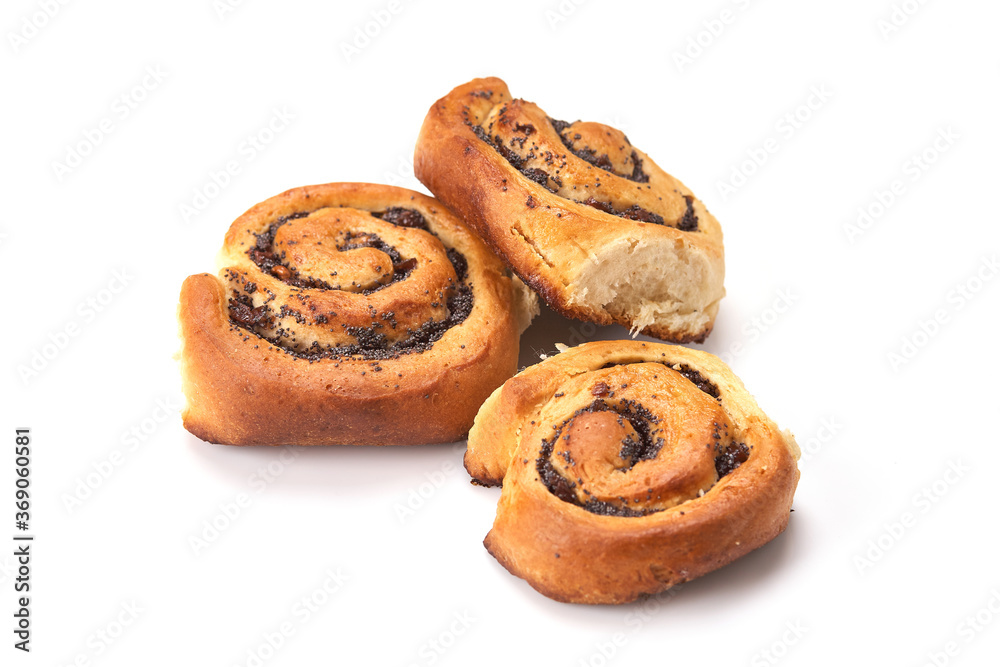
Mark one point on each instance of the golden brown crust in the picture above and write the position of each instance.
(522, 184)
(278, 378)
(597, 510)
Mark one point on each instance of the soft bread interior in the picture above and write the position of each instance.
(525, 304)
(662, 284)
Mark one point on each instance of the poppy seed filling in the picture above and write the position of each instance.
(642, 446)
(370, 344)
(688, 222)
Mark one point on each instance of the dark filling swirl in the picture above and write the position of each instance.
(371, 343)
(688, 222)
(641, 444)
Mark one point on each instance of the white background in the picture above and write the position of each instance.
(859, 585)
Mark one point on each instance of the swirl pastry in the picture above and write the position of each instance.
(347, 314)
(585, 218)
(627, 468)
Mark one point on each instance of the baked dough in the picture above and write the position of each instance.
(628, 468)
(585, 218)
(348, 314)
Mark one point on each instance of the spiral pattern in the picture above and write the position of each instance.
(346, 313)
(577, 161)
(583, 216)
(650, 465)
(341, 282)
(639, 440)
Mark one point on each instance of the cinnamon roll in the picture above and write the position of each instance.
(628, 468)
(347, 313)
(588, 220)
